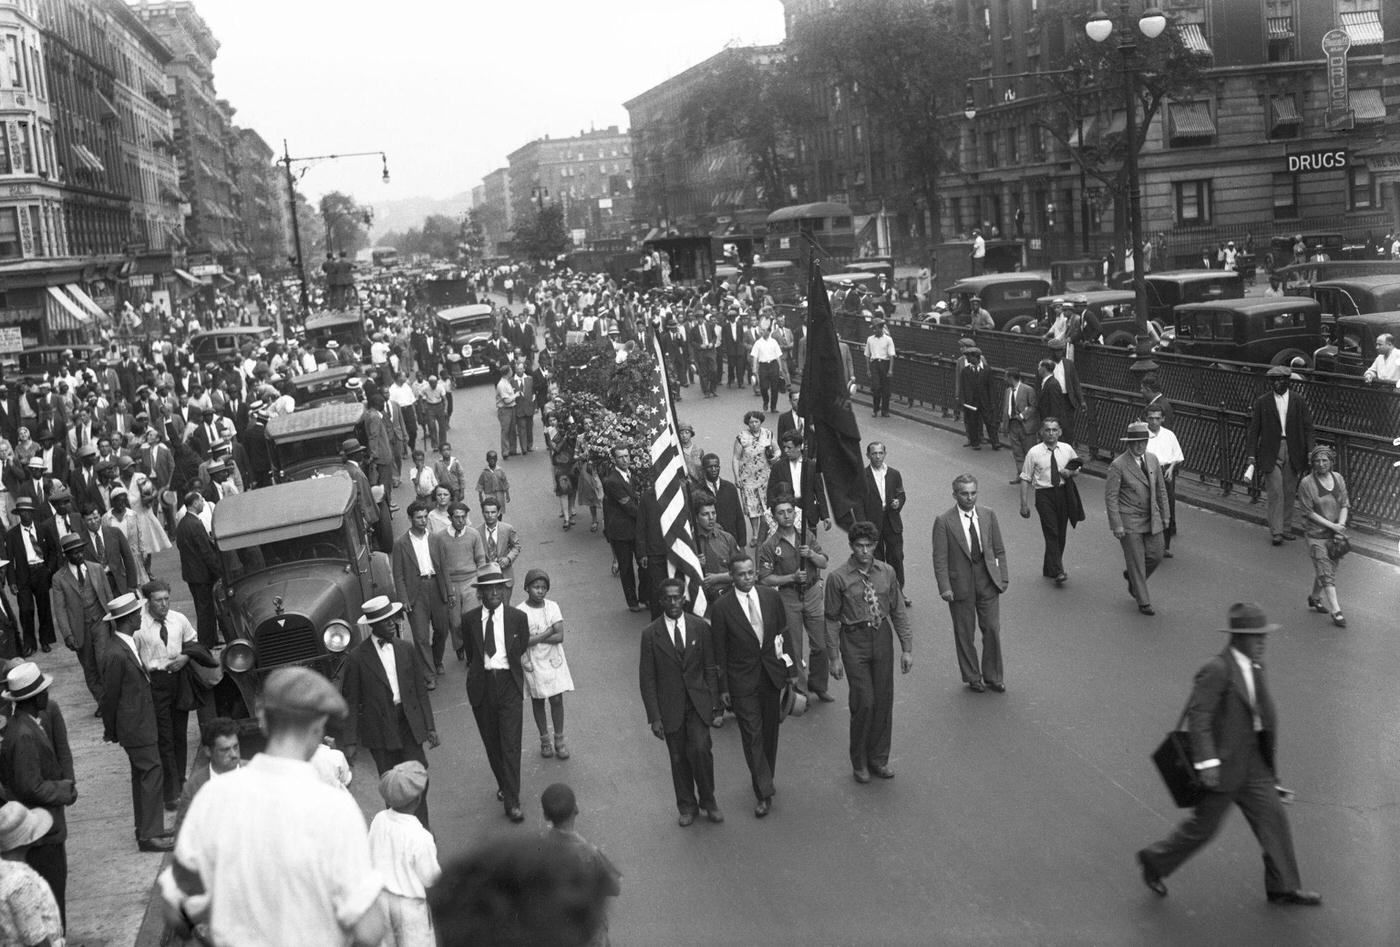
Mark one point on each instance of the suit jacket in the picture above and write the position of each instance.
(889, 519)
(1074, 392)
(780, 482)
(670, 679)
(1220, 719)
(19, 560)
(952, 558)
(1264, 432)
(118, 558)
(976, 388)
(729, 509)
(127, 708)
(67, 599)
(620, 507)
(525, 404)
(372, 721)
(84, 484)
(787, 422)
(36, 767)
(507, 547)
(1132, 503)
(199, 563)
(741, 661)
(407, 575)
(55, 527)
(1024, 416)
(1051, 402)
(517, 637)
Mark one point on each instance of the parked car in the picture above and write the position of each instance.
(1297, 278)
(1356, 295)
(1355, 340)
(1168, 289)
(952, 261)
(214, 346)
(306, 443)
(1266, 330)
(324, 386)
(463, 329)
(299, 561)
(1112, 308)
(1076, 276)
(1009, 297)
(1324, 244)
(346, 327)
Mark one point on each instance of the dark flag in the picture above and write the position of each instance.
(833, 439)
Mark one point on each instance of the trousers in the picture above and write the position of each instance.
(868, 653)
(1281, 485)
(428, 622)
(757, 714)
(880, 385)
(1142, 553)
(806, 612)
(1052, 506)
(409, 748)
(148, 810)
(692, 763)
(171, 728)
(498, 719)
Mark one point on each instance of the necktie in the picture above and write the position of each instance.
(974, 543)
(81, 580)
(680, 639)
(1142, 462)
(97, 541)
(755, 614)
(491, 543)
(164, 634)
(1054, 469)
(490, 644)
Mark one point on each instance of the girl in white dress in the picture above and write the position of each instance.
(121, 516)
(546, 670)
(141, 493)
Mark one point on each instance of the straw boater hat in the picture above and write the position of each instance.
(24, 681)
(489, 574)
(378, 609)
(1137, 431)
(21, 825)
(1247, 618)
(122, 606)
(71, 541)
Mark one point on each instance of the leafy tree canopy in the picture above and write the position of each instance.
(542, 234)
(346, 222)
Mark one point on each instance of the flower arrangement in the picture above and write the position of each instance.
(596, 407)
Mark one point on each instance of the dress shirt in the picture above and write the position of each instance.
(497, 618)
(156, 655)
(402, 395)
(506, 393)
(1036, 469)
(1385, 367)
(878, 475)
(1281, 403)
(31, 545)
(384, 647)
(421, 550)
(1165, 447)
(424, 481)
(795, 469)
(879, 347)
(752, 610)
(1059, 373)
(969, 523)
(766, 350)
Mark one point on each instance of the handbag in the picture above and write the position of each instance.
(1337, 547)
(1173, 761)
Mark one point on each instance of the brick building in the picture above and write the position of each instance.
(589, 174)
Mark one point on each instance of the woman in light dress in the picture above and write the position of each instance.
(123, 518)
(753, 454)
(141, 495)
(546, 670)
(439, 519)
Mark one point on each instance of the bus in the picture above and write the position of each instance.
(798, 232)
(384, 256)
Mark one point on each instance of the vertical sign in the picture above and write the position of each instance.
(26, 231)
(1335, 44)
(16, 162)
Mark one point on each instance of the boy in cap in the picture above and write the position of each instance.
(405, 854)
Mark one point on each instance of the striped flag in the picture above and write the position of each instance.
(669, 483)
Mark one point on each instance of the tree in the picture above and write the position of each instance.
(541, 235)
(906, 62)
(346, 222)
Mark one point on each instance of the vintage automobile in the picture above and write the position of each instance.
(1321, 245)
(1167, 289)
(306, 443)
(1267, 330)
(1357, 295)
(1009, 297)
(463, 329)
(1354, 338)
(1297, 278)
(1112, 309)
(448, 290)
(323, 387)
(1076, 276)
(780, 278)
(952, 261)
(298, 562)
(44, 360)
(346, 327)
(214, 346)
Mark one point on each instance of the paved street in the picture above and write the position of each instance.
(1014, 817)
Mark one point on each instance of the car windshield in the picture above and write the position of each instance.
(327, 545)
(325, 448)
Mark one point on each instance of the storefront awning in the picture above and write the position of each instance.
(1364, 28)
(85, 300)
(107, 106)
(68, 315)
(1367, 105)
(1193, 39)
(189, 277)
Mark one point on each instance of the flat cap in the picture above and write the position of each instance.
(403, 784)
(1278, 371)
(299, 690)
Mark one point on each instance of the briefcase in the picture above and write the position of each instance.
(1173, 760)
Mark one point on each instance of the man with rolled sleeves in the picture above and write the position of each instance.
(879, 358)
(1135, 498)
(80, 593)
(863, 603)
(496, 637)
(462, 553)
(161, 641)
(792, 564)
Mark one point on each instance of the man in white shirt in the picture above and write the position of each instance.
(160, 642)
(401, 394)
(1049, 472)
(979, 252)
(420, 583)
(1162, 444)
(766, 356)
(1386, 367)
(879, 359)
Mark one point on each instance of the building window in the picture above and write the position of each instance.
(1284, 120)
(1285, 196)
(1013, 146)
(26, 155)
(1037, 135)
(1361, 188)
(1280, 31)
(955, 211)
(1192, 201)
(36, 226)
(991, 143)
(9, 234)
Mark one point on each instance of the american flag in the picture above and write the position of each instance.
(669, 482)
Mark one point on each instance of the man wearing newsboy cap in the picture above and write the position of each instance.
(1234, 730)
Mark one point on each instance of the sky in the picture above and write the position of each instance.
(448, 88)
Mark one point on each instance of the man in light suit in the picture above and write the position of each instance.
(884, 498)
(500, 541)
(969, 564)
(524, 408)
(1135, 496)
(495, 636)
(1234, 730)
(108, 548)
(680, 691)
(80, 593)
(420, 583)
(390, 714)
(755, 659)
(1279, 449)
(1022, 419)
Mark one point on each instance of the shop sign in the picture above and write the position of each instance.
(206, 269)
(1338, 117)
(1312, 162)
(11, 339)
(142, 281)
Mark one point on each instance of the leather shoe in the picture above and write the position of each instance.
(167, 844)
(977, 686)
(1153, 880)
(1277, 540)
(999, 687)
(439, 668)
(862, 776)
(1014, 482)
(763, 808)
(1303, 898)
(686, 820)
(45, 648)
(714, 815)
(1146, 610)
(634, 608)
(1061, 579)
(461, 654)
(823, 696)
(515, 815)
(884, 772)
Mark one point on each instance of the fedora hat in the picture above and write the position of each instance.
(489, 574)
(1247, 618)
(1137, 431)
(21, 825)
(380, 608)
(351, 446)
(70, 541)
(794, 702)
(122, 606)
(24, 681)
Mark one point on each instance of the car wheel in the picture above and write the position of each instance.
(1288, 355)
(1019, 324)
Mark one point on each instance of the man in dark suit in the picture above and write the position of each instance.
(390, 714)
(108, 547)
(31, 563)
(128, 714)
(705, 340)
(884, 499)
(680, 691)
(621, 511)
(1234, 729)
(1278, 450)
(1152, 397)
(790, 420)
(729, 509)
(1022, 416)
(1135, 498)
(199, 567)
(969, 564)
(495, 636)
(1063, 371)
(790, 474)
(83, 480)
(420, 583)
(979, 401)
(754, 657)
(205, 434)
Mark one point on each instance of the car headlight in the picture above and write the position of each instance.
(467, 351)
(240, 655)
(336, 636)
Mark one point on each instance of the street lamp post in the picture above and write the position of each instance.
(1099, 28)
(287, 161)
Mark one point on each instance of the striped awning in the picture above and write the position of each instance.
(1280, 27)
(87, 159)
(1285, 110)
(1364, 28)
(1190, 120)
(1367, 105)
(107, 106)
(85, 300)
(1193, 39)
(189, 277)
(67, 314)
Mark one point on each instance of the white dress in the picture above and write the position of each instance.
(153, 538)
(549, 673)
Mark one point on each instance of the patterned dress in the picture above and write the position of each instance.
(752, 474)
